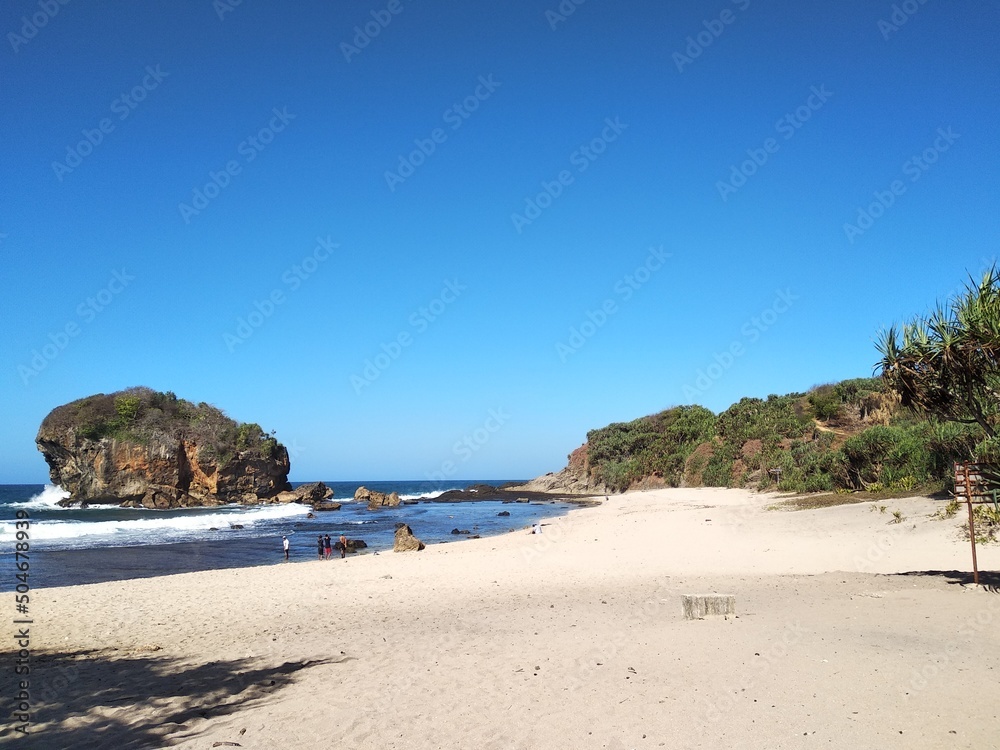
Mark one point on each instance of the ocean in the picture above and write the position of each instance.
(71, 546)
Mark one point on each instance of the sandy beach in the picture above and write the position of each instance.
(851, 632)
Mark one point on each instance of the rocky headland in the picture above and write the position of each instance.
(139, 447)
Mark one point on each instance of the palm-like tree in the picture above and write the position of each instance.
(947, 364)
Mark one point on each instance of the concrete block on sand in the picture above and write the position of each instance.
(698, 606)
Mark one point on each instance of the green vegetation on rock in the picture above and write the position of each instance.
(142, 415)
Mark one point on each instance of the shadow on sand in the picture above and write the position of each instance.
(989, 579)
(103, 699)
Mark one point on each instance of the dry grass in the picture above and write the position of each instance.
(831, 499)
(821, 500)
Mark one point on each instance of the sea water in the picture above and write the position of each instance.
(71, 546)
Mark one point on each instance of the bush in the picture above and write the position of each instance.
(825, 402)
(625, 452)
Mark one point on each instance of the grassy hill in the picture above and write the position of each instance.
(852, 435)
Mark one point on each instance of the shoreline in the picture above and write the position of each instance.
(573, 638)
(228, 549)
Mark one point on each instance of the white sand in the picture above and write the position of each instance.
(571, 639)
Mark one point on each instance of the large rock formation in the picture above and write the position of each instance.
(142, 448)
(376, 499)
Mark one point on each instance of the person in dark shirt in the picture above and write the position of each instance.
(320, 546)
(328, 546)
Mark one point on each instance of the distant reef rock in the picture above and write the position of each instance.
(142, 448)
(315, 494)
(377, 499)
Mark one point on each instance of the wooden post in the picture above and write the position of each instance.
(972, 525)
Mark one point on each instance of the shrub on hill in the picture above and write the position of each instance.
(656, 446)
(852, 435)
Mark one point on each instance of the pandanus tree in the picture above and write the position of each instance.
(947, 364)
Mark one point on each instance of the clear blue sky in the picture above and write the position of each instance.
(171, 93)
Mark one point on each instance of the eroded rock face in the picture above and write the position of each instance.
(376, 499)
(158, 470)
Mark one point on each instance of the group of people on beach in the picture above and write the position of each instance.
(324, 546)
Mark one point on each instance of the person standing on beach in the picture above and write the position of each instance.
(343, 546)
(320, 547)
(284, 544)
(328, 546)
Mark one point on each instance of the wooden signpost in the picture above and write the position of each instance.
(974, 483)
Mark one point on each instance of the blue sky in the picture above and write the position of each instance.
(501, 225)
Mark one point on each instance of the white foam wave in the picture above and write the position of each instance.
(154, 528)
(47, 499)
(427, 495)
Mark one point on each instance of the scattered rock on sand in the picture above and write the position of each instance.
(405, 541)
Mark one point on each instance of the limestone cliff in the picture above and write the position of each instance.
(142, 448)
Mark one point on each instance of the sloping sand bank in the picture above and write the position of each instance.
(571, 639)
